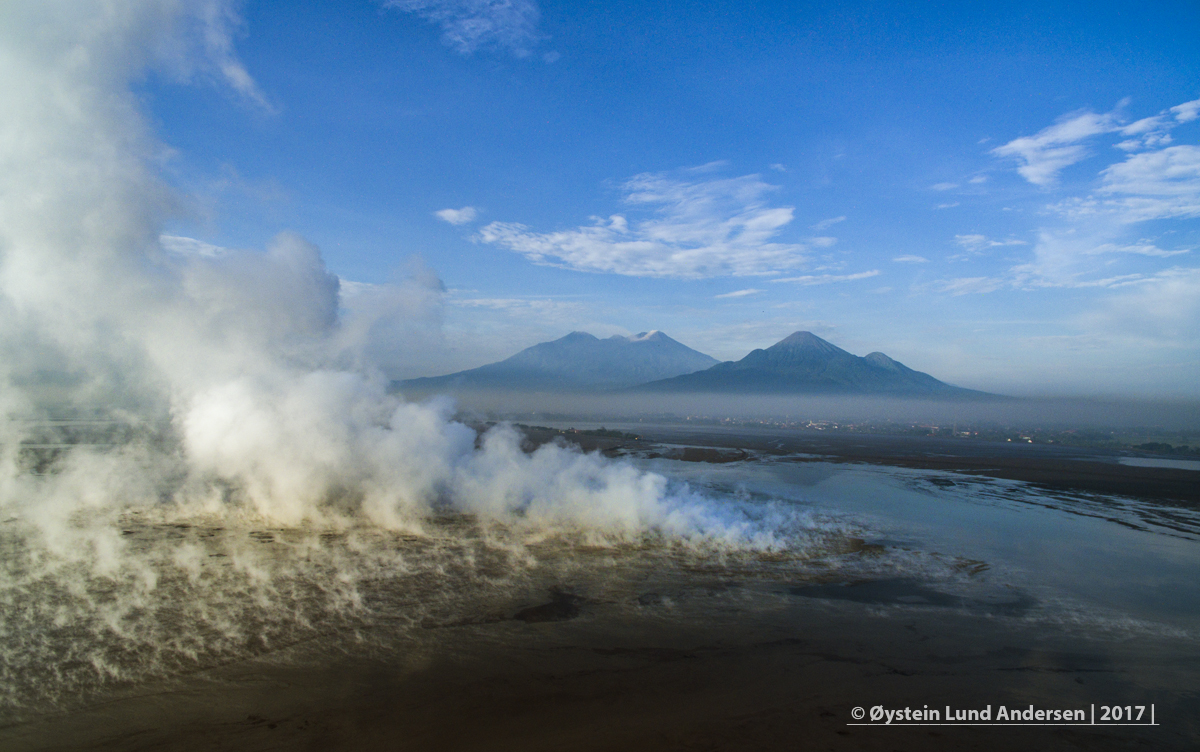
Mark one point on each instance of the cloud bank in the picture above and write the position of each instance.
(698, 227)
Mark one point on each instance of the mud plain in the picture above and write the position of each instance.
(594, 648)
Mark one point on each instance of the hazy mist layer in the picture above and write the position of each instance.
(1023, 413)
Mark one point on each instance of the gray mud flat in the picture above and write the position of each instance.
(907, 589)
(701, 664)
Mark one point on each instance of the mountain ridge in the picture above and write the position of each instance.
(803, 363)
(578, 361)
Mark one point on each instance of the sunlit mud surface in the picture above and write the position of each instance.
(185, 594)
(993, 587)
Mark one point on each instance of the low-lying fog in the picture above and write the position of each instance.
(1049, 412)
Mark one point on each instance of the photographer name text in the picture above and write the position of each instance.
(1095, 715)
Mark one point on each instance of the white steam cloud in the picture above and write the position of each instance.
(266, 392)
(150, 380)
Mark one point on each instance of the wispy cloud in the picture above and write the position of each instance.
(1021, 280)
(1140, 249)
(1156, 185)
(967, 285)
(944, 186)
(541, 305)
(1163, 309)
(1186, 112)
(1043, 155)
(457, 216)
(825, 224)
(980, 243)
(738, 293)
(699, 227)
(911, 260)
(950, 205)
(469, 25)
(825, 279)
(220, 23)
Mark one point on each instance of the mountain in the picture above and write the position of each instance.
(803, 363)
(578, 362)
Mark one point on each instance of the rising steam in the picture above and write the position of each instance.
(215, 394)
(246, 385)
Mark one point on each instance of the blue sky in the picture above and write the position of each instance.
(1005, 196)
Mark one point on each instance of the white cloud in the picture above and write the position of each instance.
(218, 24)
(968, 285)
(1062, 259)
(698, 228)
(1163, 309)
(778, 167)
(1145, 125)
(1157, 185)
(1121, 280)
(911, 260)
(978, 179)
(182, 246)
(980, 243)
(469, 25)
(825, 224)
(1093, 247)
(738, 294)
(943, 186)
(541, 305)
(951, 205)
(457, 216)
(1140, 249)
(825, 279)
(1045, 154)
(1187, 112)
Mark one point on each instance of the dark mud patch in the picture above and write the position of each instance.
(715, 456)
(909, 592)
(563, 606)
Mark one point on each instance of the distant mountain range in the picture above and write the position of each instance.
(803, 363)
(652, 362)
(578, 362)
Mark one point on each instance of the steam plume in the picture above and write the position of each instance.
(223, 392)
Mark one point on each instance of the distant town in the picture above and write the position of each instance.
(1152, 440)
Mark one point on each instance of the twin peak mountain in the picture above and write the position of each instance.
(652, 362)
